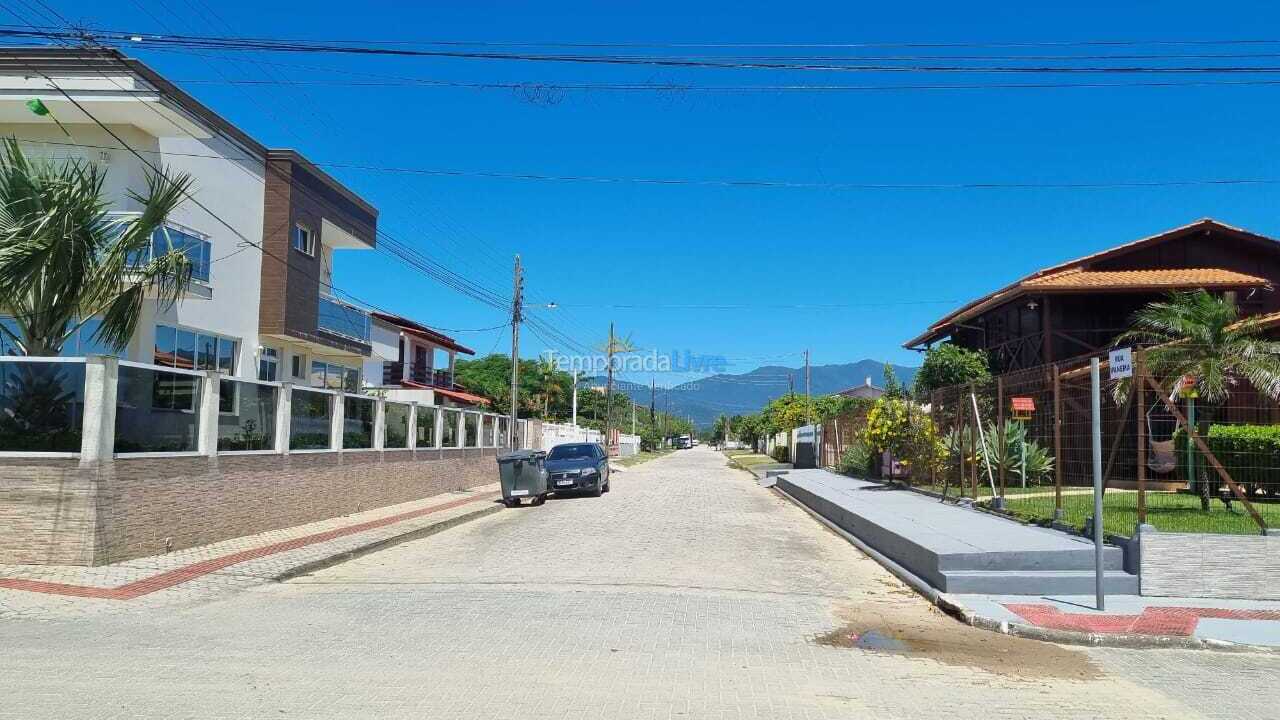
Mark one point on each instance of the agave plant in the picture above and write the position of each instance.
(1024, 460)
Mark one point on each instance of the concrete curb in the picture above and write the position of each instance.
(962, 613)
(381, 544)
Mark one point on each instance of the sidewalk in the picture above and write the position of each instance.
(963, 560)
(956, 549)
(1133, 620)
(204, 572)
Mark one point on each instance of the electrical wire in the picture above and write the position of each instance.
(310, 47)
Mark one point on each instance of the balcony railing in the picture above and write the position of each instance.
(394, 372)
(342, 319)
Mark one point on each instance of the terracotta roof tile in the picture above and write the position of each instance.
(975, 307)
(1126, 279)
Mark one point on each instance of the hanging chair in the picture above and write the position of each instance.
(1163, 457)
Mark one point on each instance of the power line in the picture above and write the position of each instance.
(725, 182)
(1094, 42)
(537, 86)
(132, 39)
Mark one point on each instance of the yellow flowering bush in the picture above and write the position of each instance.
(906, 432)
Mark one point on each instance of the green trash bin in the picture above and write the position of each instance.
(524, 475)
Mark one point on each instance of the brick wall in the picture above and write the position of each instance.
(55, 512)
(46, 512)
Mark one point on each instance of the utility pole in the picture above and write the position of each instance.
(808, 394)
(608, 392)
(518, 284)
(652, 396)
(575, 398)
(633, 417)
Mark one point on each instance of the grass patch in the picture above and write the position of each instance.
(641, 457)
(1170, 512)
(749, 459)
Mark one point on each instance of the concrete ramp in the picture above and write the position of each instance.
(955, 549)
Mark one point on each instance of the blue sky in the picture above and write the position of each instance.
(903, 257)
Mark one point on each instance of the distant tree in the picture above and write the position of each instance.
(946, 365)
(892, 387)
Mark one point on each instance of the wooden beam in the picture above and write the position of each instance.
(1213, 459)
(1140, 390)
(1057, 438)
(1046, 330)
(1000, 415)
(1115, 441)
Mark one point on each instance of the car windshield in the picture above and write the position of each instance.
(571, 452)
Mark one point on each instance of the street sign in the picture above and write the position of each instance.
(1121, 363)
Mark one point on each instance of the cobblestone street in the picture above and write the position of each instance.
(688, 591)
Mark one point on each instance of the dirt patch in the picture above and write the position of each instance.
(913, 631)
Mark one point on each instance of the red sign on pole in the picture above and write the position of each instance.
(1023, 407)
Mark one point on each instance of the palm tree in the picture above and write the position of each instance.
(64, 260)
(1197, 335)
(549, 384)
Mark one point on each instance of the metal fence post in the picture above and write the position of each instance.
(1095, 384)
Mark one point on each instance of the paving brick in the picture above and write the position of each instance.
(686, 592)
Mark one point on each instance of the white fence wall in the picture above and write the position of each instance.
(628, 444)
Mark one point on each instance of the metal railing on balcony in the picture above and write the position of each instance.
(342, 319)
(393, 372)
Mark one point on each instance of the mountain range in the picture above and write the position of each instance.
(707, 398)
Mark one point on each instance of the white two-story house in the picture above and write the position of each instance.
(263, 244)
(413, 362)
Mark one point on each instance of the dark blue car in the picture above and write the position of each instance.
(578, 467)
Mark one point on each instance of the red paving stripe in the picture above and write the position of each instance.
(177, 576)
(1153, 620)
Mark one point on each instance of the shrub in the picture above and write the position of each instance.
(906, 433)
(857, 459)
(1249, 453)
(781, 453)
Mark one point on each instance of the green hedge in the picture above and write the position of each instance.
(1250, 453)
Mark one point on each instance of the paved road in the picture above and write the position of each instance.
(686, 592)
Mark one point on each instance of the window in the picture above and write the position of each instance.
(80, 342)
(192, 350)
(268, 364)
(297, 368)
(167, 238)
(334, 377)
(304, 240)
